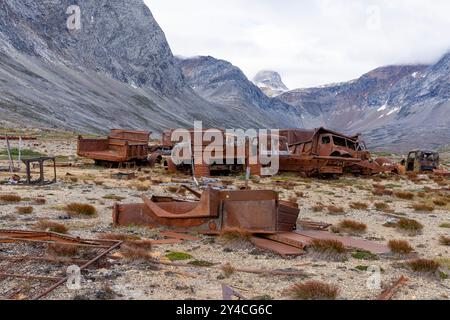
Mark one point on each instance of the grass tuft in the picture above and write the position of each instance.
(46, 225)
(359, 206)
(25, 210)
(80, 209)
(350, 226)
(334, 210)
(400, 247)
(10, 198)
(313, 290)
(228, 270)
(62, 250)
(424, 265)
(409, 225)
(404, 195)
(444, 240)
(422, 207)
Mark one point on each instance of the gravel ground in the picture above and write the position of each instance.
(144, 280)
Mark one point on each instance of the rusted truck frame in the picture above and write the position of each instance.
(256, 212)
(322, 151)
(121, 146)
(220, 164)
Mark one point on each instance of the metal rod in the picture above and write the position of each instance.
(23, 276)
(60, 261)
(9, 240)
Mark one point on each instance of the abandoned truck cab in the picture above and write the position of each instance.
(419, 161)
(323, 151)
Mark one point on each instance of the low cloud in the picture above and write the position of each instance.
(309, 42)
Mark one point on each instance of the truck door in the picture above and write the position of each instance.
(410, 162)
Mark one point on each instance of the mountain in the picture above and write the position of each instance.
(220, 82)
(270, 83)
(116, 71)
(395, 107)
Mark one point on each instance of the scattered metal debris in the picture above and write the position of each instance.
(120, 146)
(28, 272)
(124, 176)
(258, 212)
(389, 293)
(311, 225)
(41, 163)
(229, 293)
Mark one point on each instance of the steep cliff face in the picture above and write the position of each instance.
(220, 82)
(119, 38)
(117, 70)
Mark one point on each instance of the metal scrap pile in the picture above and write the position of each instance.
(33, 264)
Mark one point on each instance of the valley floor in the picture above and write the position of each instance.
(123, 279)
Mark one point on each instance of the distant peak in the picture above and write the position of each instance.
(270, 82)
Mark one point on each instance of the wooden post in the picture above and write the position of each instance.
(8, 148)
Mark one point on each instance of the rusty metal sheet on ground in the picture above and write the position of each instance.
(277, 247)
(361, 244)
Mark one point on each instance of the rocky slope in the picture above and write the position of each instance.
(270, 83)
(116, 71)
(220, 82)
(395, 107)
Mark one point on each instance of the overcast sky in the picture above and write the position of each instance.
(309, 42)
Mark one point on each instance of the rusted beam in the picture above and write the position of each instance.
(389, 293)
(24, 276)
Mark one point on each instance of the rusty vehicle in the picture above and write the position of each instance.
(423, 161)
(326, 152)
(218, 163)
(256, 212)
(121, 146)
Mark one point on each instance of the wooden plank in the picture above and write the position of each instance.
(277, 247)
(355, 243)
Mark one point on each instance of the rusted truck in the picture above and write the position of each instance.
(121, 146)
(424, 161)
(326, 152)
(219, 162)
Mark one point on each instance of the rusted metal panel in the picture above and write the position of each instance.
(277, 247)
(229, 293)
(253, 211)
(120, 146)
(303, 238)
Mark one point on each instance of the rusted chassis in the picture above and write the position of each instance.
(325, 152)
(257, 212)
(120, 146)
(215, 165)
